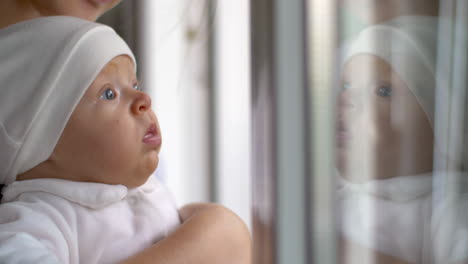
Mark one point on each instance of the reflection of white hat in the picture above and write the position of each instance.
(46, 65)
(408, 44)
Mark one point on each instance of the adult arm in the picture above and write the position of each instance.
(209, 233)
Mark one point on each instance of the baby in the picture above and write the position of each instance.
(78, 143)
(386, 146)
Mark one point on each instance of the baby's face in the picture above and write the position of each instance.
(113, 136)
(382, 130)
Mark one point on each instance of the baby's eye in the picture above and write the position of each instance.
(108, 94)
(384, 91)
(137, 87)
(345, 87)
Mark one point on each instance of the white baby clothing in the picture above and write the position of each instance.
(61, 221)
(400, 218)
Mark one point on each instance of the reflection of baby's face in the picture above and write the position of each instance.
(380, 124)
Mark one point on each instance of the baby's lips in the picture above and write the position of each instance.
(152, 136)
(152, 129)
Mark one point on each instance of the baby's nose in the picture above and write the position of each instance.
(142, 103)
(345, 99)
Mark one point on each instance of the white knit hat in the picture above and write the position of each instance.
(408, 44)
(46, 65)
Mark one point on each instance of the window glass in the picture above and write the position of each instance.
(400, 125)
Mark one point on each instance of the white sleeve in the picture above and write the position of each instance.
(30, 236)
(22, 248)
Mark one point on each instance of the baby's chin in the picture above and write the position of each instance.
(137, 183)
(140, 180)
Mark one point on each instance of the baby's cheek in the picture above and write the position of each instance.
(121, 137)
(398, 113)
(406, 115)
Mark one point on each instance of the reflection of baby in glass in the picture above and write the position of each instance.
(385, 145)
